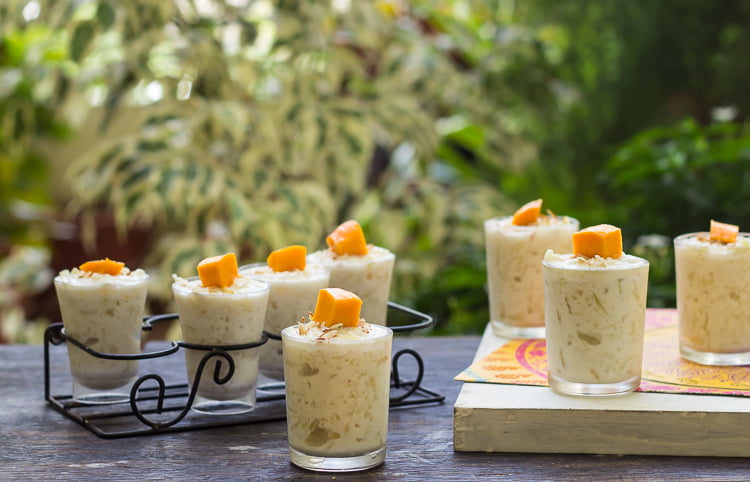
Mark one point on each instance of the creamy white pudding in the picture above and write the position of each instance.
(713, 299)
(105, 313)
(214, 316)
(514, 271)
(291, 298)
(368, 276)
(595, 312)
(337, 394)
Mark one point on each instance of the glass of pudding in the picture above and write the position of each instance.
(366, 270)
(595, 310)
(337, 394)
(222, 316)
(292, 296)
(514, 269)
(103, 309)
(713, 298)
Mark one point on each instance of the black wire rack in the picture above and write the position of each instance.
(155, 407)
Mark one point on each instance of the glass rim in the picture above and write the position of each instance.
(318, 272)
(110, 280)
(386, 332)
(316, 256)
(683, 237)
(176, 286)
(570, 219)
(642, 262)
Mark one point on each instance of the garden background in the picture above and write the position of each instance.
(162, 132)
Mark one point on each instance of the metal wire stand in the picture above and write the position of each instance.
(165, 408)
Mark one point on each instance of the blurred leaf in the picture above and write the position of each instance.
(105, 14)
(83, 33)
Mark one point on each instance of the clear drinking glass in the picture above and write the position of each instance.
(713, 299)
(368, 276)
(337, 399)
(514, 272)
(293, 295)
(216, 317)
(595, 312)
(105, 313)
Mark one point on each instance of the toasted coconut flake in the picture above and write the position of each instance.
(320, 332)
(328, 334)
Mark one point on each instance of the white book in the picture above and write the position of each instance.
(491, 417)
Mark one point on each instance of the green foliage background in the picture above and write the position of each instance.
(248, 125)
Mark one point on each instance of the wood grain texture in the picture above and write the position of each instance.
(38, 443)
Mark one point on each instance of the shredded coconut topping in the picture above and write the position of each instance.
(549, 219)
(318, 331)
(241, 285)
(76, 275)
(570, 261)
(374, 253)
(704, 239)
(265, 273)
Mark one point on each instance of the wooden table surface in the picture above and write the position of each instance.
(36, 442)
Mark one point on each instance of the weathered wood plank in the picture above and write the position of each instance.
(39, 443)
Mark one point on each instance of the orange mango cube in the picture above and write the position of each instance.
(347, 238)
(103, 266)
(726, 233)
(288, 259)
(528, 213)
(336, 305)
(602, 240)
(218, 271)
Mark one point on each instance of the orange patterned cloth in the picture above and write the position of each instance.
(524, 362)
